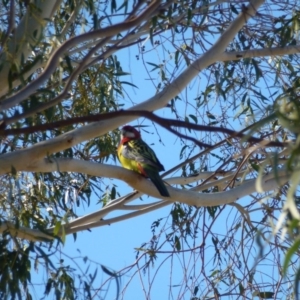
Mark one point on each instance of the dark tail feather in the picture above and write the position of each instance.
(158, 182)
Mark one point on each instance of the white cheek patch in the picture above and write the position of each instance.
(129, 134)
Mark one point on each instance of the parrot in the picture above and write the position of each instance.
(134, 154)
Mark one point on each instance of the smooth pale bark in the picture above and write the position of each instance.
(138, 182)
(24, 233)
(26, 34)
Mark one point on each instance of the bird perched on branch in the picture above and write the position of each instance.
(134, 154)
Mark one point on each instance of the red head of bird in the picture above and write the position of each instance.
(130, 133)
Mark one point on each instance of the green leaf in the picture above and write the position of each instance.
(258, 71)
(182, 151)
(113, 6)
(194, 118)
(232, 7)
(177, 243)
(121, 73)
(113, 193)
(95, 21)
(57, 228)
(153, 65)
(125, 5)
(45, 257)
(296, 283)
(255, 166)
(176, 58)
(291, 251)
(242, 289)
(196, 289)
(128, 83)
(210, 116)
(266, 295)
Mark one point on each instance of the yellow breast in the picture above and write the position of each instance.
(126, 162)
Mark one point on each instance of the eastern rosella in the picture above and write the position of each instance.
(134, 154)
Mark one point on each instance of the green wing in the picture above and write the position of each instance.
(139, 151)
(136, 155)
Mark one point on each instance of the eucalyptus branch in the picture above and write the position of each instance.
(24, 233)
(54, 162)
(117, 204)
(276, 51)
(113, 220)
(140, 183)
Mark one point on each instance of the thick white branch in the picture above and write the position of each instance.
(138, 182)
(24, 233)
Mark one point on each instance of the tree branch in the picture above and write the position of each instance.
(276, 51)
(33, 235)
(138, 182)
(53, 61)
(164, 122)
